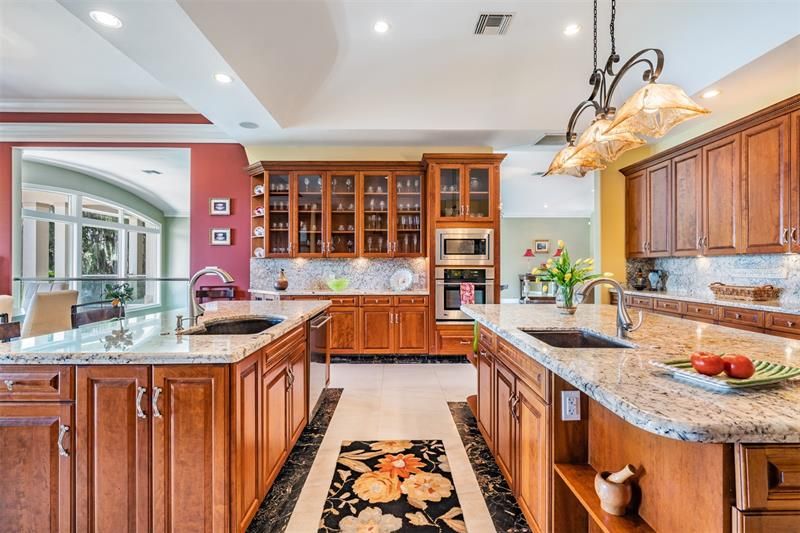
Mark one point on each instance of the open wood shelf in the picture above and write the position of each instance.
(580, 480)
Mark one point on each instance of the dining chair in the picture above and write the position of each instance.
(87, 313)
(49, 312)
(9, 331)
(6, 307)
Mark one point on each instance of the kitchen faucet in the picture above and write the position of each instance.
(195, 309)
(624, 322)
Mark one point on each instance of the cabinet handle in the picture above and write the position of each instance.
(790, 323)
(290, 375)
(467, 209)
(786, 235)
(513, 406)
(700, 242)
(9, 384)
(737, 315)
(464, 342)
(156, 394)
(794, 234)
(139, 394)
(461, 211)
(482, 353)
(62, 431)
(289, 248)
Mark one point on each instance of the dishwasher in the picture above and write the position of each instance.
(318, 360)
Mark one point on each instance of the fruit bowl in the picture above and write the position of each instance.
(338, 284)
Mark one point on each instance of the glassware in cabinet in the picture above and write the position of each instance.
(341, 208)
(309, 232)
(448, 192)
(408, 214)
(375, 223)
(278, 215)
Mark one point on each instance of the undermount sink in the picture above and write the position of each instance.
(575, 338)
(246, 326)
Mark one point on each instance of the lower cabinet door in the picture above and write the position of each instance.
(298, 377)
(343, 329)
(246, 429)
(112, 445)
(189, 410)
(36, 454)
(376, 329)
(533, 456)
(275, 439)
(504, 430)
(411, 329)
(485, 395)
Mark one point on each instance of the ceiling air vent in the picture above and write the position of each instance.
(493, 23)
(551, 139)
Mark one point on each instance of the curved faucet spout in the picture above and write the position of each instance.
(195, 309)
(624, 323)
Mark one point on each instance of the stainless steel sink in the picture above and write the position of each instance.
(575, 338)
(246, 326)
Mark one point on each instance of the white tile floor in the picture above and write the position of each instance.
(395, 402)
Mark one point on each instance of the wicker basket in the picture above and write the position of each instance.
(747, 294)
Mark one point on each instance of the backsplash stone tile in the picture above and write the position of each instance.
(364, 274)
(693, 275)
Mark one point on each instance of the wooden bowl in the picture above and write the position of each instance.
(614, 497)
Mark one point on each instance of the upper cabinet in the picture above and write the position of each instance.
(733, 190)
(342, 207)
(309, 230)
(465, 192)
(376, 197)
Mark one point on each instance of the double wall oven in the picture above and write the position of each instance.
(463, 256)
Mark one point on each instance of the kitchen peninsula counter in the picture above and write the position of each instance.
(623, 381)
(347, 292)
(773, 306)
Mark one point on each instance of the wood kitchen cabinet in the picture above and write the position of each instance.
(112, 448)
(794, 151)
(687, 198)
(464, 192)
(766, 187)
(392, 214)
(377, 329)
(485, 414)
(389, 328)
(298, 392)
(246, 440)
(275, 449)
(722, 199)
(658, 210)
(533, 461)
(505, 424)
(36, 458)
(309, 216)
(636, 230)
(343, 329)
(411, 329)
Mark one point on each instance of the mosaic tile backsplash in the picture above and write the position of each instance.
(364, 274)
(693, 275)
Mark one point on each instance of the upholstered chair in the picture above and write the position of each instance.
(49, 312)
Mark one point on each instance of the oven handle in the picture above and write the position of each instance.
(323, 319)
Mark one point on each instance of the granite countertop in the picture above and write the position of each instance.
(623, 381)
(776, 306)
(143, 339)
(346, 292)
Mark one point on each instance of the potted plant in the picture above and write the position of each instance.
(566, 276)
(119, 295)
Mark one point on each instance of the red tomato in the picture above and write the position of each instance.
(707, 363)
(738, 366)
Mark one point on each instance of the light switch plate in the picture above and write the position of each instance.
(570, 405)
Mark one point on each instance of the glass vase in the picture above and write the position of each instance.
(565, 300)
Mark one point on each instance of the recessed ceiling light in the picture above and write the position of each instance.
(545, 206)
(223, 78)
(572, 29)
(106, 19)
(711, 93)
(381, 26)
(248, 125)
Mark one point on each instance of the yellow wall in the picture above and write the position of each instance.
(767, 80)
(353, 153)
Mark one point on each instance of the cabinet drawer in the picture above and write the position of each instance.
(376, 300)
(701, 310)
(36, 383)
(783, 322)
(534, 374)
(668, 306)
(350, 301)
(453, 340)
(757, 522)
(410, 300)
(487, 338)
(744, 317)
(768, 477)
(642, 302)
(284, 345)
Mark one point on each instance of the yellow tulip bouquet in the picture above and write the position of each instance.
(567, 275)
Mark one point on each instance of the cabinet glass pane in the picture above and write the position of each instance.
(375, 191)
(343, 214)
(278, 214)
(449, 192)
(309, 214)
(479, 192)
(408, 206)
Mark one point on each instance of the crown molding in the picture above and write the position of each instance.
(140, 133)
(30, 105)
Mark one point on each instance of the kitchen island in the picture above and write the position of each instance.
(730, 458)
(125, 425)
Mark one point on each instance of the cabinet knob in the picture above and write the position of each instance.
(9, 384)
(737, 315)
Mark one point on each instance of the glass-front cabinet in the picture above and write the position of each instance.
(341, 207)
(309, 231)
(408, 215)
(375, 222)
(277, 214)
(464, 193)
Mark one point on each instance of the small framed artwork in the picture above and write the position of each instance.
(221, 236)
(219, 206)
(541, 246)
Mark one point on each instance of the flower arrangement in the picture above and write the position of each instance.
(566, 275)
(119, 294)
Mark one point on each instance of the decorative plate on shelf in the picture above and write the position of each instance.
(766, 374)
(401, 280)
(258, 252)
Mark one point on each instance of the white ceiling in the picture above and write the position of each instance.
(314, 72)
(168, 191)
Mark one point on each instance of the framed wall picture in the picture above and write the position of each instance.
(541, 246)
(221, 236)
(219, 206)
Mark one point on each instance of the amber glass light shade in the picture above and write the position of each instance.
(569, 163)
(596, 143)
(653, 110)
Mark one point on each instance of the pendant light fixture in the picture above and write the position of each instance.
(651, 112)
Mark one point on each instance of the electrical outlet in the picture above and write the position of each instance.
(570, 405)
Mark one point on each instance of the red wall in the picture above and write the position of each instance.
(217, 170)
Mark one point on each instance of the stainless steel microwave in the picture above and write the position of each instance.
(465, 246)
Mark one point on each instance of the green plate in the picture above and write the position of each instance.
(766, 374)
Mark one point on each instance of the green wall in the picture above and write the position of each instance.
(517, 234)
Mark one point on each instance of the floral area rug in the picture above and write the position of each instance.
(392, 485)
